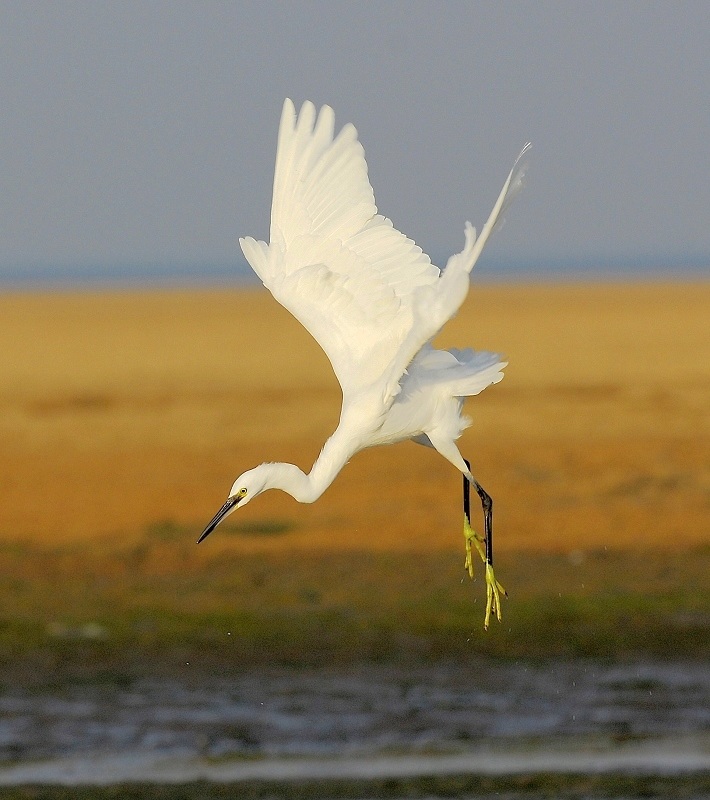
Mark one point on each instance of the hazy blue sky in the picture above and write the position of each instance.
(143, 133)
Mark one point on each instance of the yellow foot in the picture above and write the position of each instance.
(470, 536)
(493, 589)
(493, 592)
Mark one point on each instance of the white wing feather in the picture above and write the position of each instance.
(367, 293)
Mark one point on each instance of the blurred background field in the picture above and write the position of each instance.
(126, 416)
(349, 626)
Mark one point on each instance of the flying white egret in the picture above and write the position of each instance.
(373, 301)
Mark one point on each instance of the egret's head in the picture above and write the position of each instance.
(246, 487)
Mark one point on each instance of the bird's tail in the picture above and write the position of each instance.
(475, 371)
(460, 373)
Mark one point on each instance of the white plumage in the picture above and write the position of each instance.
(373, 301)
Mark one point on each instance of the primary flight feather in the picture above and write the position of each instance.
(373, 301)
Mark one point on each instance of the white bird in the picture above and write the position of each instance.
(373, 301)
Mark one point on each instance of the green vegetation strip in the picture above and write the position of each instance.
(106, 613)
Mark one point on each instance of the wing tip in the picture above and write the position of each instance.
(469, 233)
(527, 147)
(308, 115)
(256, 254)
(288, 113)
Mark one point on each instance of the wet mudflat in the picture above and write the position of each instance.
(370, 724)
(370, 710)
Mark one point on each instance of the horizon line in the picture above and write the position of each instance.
(139, 274)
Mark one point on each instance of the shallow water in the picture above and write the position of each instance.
(372, 710)
(512, 715)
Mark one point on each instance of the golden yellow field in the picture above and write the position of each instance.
(124, 409)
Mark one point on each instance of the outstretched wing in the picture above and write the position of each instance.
(365, 292)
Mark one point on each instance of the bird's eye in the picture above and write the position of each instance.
(241, 493)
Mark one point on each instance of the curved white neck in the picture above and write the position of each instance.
(308, 488)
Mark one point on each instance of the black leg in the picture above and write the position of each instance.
(487, 504)
(467, 496)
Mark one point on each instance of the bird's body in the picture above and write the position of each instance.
(373, 301)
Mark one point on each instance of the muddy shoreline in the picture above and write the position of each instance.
(373, 722)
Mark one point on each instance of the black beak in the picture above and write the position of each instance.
(218, 517)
